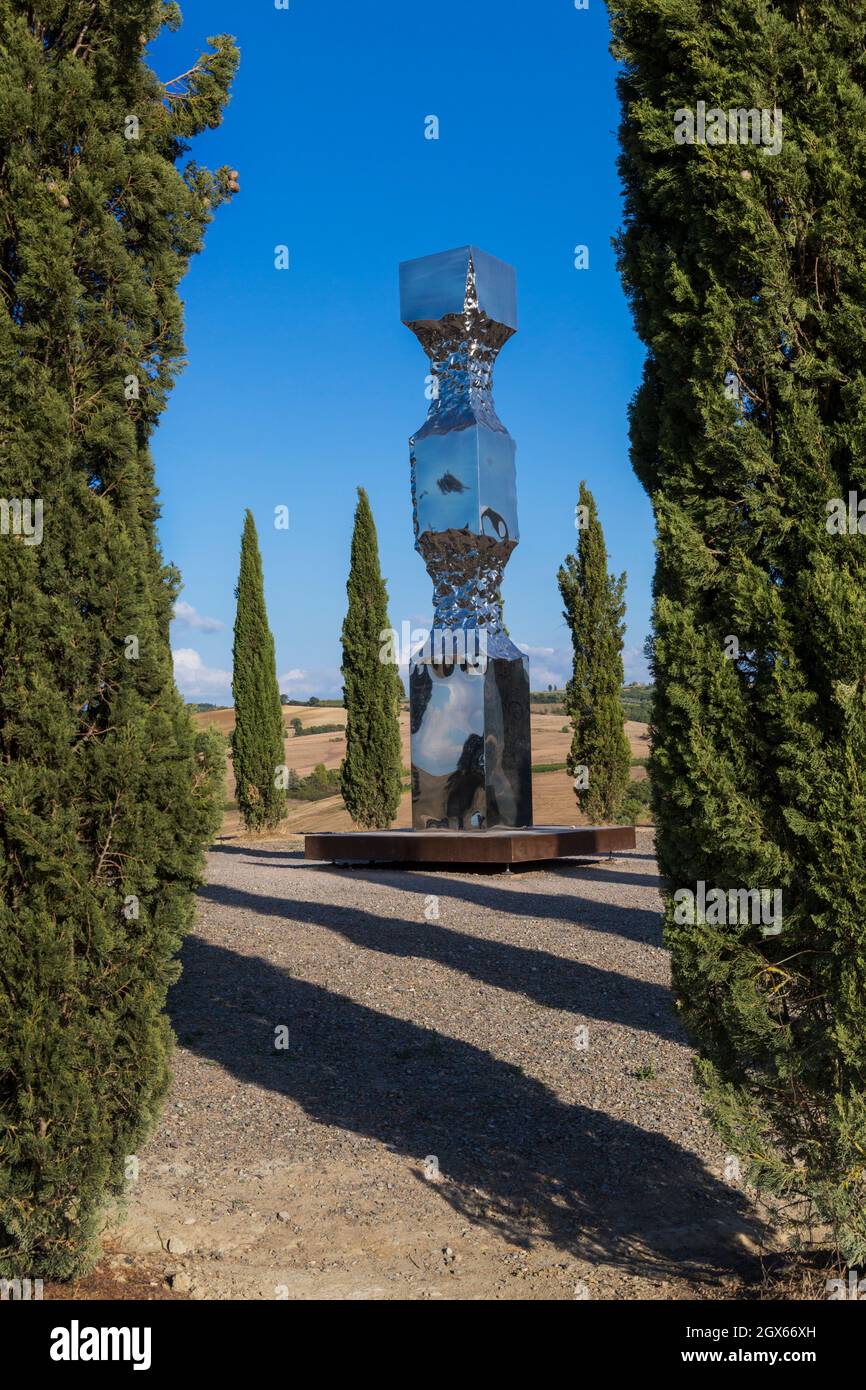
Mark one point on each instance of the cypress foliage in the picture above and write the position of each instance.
(257, 741)
(371, 774)
(210, 756)
(103, 811)
(746, 273)
(595, 610)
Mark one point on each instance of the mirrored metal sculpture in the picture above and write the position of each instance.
(469, 687)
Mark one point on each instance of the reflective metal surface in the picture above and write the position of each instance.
(471, 756)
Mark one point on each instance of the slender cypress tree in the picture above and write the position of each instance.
(371, 774)
(257, 743)
(595, 610)
(743, 260)
(104, 807)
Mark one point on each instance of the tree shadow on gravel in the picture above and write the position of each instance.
(634, 923)
(554, 981)
(599, 873)
(512, 1156)
(220, 848)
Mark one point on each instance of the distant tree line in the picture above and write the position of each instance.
(301, 732)
(636, 700)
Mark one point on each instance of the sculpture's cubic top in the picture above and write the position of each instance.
(462, 307)
(432, 287)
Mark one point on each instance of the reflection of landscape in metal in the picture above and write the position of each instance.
(471, 756)
(499, 524)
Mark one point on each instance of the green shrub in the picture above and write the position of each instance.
(321, 782)
(210, 781)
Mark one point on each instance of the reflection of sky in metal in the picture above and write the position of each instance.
(433, 286)
(455, 711)
(435, 456)
(482, 462)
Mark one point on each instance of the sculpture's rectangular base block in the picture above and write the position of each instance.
(458, 848)
(471, 751)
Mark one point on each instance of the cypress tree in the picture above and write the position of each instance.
(257, 741)
(103, 806)
(595, 610)
(744, 267)
(371, 774)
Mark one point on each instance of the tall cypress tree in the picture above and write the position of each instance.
(371, 774)
(257, 742)
(744, 267)
(595, 610)
(103, 805)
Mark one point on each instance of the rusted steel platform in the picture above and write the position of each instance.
(460, 847)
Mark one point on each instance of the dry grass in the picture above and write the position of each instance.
(796, 1276)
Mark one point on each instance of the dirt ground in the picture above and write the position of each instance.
(398, 1084)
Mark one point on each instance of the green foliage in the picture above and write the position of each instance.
(749, 270)
(594, 610)
(372, 689)
(210, 755)
(104, 808)
(636, 804)
(257, 741)
(321, 782)
(301, 732)
(637, 702)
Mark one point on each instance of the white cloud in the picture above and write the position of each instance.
(635, 663)
(553, 665)
(193, 677)
(324, 681)
(456, 708)
(187, 616)
(547, 666)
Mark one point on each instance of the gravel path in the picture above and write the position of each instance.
(518, 1029)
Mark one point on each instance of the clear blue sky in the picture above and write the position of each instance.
(303, 383)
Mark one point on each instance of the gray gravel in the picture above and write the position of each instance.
(524, 1038)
